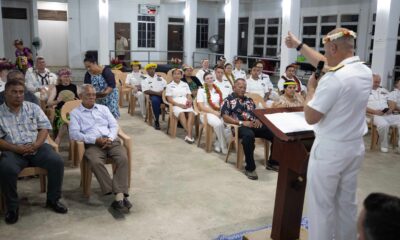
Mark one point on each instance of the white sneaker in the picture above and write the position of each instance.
(217, 149)
(384, 149)
(189, 140)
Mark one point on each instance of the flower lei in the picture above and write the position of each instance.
(212, 105)
(344, 33)
(229, 78)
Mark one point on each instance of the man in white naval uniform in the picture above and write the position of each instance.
(380, 107)
(238, 72)
(336, 104)
(205, 64)
(223, 84)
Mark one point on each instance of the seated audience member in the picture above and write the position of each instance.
(40, 80)
(395, 95)
(154, 86)
(224, 85)
(95, 125)
(134, 80)
(193, 82)
(263, 76)
(228, 75)
(179, 95)
(220, 62)
(289, 98)
(5, 67)
(238, 72)
(209, 100)
(380, 218)
(28, 95)
(289, 75)
(24, 57)
(23, 132)
(63, 92)
(205, 64)
(259, 86)
(103, 80)
(381, 110)
(238, 109)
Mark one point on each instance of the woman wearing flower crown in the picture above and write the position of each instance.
(289, 97)
(193, 82)
(63, 92)
(179, 95)
(209, 101)
(24, 56)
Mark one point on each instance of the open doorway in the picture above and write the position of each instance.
(175, 38)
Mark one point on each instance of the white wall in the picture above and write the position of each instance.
(54, 46)
(16, 29)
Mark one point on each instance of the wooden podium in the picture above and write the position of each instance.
(292, 152)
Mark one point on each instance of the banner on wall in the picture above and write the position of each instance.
(148, 9)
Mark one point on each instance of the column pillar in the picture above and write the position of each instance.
(103, 51)
(231, 29)
(290, 22)
(75, 55)
(385, 40)
(2, 53)
(190, 31)
(35, 26)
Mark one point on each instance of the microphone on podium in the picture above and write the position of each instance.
(318, 72)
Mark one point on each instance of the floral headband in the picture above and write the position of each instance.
(64, 72)
(174, 69)
(333, 37)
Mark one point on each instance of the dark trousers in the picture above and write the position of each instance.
(11, 164)
(248, 136)
(156, 104)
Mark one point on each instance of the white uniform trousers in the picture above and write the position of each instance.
(331, 189)
(219, 128)
(382, 124)
(141, 99)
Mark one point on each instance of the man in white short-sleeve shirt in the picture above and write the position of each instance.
(380, 108)
(336, 104)
(223, 84)
(154, 86)
(257, 85)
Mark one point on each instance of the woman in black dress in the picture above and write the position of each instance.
(193, 82)
(63, 92)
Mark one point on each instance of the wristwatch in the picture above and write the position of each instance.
(240, 123)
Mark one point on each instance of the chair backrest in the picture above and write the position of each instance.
(162, 74)
(196, 106)
(195, 71)
(257, 99)
(169, 76)
(67, 108)
(122, 78)
(164, 98)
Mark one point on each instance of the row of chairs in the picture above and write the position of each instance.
(172, 123)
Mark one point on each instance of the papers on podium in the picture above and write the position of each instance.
(289, 122)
